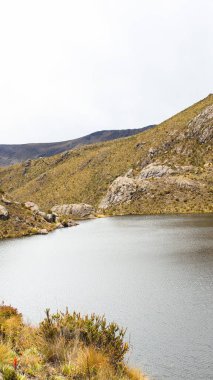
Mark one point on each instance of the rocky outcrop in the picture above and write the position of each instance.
(122, 190)
(18, 219)
(43, 231)
(201, 127)
(4, 214)
(78, 210)
(50, 218)
(167, 169)
(151, 178)
(26, 166)
(68, 223)
(32, 206)
(5, 200)
(159, 175)
(153, 171)
(184, 183)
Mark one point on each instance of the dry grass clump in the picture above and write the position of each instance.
(63, 346)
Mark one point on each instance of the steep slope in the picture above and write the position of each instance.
(12, 154)
(16, 220)
(165, 169)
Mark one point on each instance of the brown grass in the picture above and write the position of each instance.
(57, 349)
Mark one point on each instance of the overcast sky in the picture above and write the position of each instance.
(68, 68)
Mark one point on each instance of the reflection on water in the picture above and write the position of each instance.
(151, 274)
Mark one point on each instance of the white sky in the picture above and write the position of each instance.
(71, 67)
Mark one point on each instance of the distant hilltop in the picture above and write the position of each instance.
(12, 154)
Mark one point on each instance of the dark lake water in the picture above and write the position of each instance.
(153, 275)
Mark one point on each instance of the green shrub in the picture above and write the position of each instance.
(9, 373)
(91, 330)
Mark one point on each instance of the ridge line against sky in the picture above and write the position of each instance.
(70, 68)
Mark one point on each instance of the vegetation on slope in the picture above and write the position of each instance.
(21, 221)
(63, 346)
(85, 174)
(12, 154)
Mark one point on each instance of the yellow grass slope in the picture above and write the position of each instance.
(85, 174)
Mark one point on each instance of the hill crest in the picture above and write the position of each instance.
(166, 169)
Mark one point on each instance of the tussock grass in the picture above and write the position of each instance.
(63, 346)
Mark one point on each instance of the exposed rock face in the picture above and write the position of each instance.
(68, 223)
(122, 190)
(5, 200)
(186, 168)
(4, 214)
(26, 219)
(129, 174)
(153, 176)
(160, 175)
(51, 218)
(26, 165)
(201, 126)
(184, 183)
(81, 210)
(32, 206)
(153, 170)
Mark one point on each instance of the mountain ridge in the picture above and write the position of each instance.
(166, 169)
(11, 154)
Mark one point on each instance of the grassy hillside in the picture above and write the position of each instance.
(12, 154)
(21, 221)
(85, 174)
(63, 346)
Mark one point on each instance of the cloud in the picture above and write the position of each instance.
(69, 67)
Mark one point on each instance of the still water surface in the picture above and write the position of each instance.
(153, 275)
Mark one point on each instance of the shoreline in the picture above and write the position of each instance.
(101, 216)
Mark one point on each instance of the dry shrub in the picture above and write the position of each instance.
(134, 374)
(63, 346)
(90, 361)
(89, 330)
(10, 323)
(6, 354)
(27, 338)
(31, 361)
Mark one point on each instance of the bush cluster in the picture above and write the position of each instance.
(64, 346)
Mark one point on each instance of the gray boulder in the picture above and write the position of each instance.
(6, 201)
(78, 210)
(43, 231)
(153, 171)
(201, 126)
(122, 190)
(68, 223)
(4, 214)
(50, 218)
(184, 183)
(32, 206)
